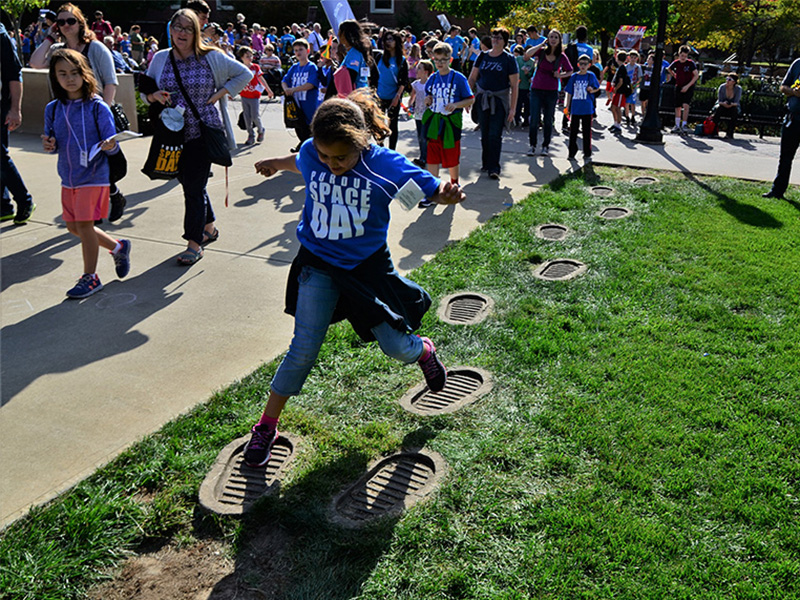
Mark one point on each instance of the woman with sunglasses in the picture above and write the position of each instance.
(208, 76)
(729, 96)
(72, 31)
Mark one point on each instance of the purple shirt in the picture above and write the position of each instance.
(544, 78)
(198, 80)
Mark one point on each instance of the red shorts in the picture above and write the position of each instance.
(439, 155)
(85, 203)
(618, 100)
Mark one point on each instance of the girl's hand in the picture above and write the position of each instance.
(48, 143)
(395, 101)
(592, 90)
(266, 167)
(108, 144)
(449, 193)
(161, 96)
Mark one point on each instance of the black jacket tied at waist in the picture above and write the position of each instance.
(371, 293)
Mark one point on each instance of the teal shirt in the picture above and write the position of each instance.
(524, 77)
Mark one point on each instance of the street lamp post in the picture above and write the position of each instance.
(650, 130)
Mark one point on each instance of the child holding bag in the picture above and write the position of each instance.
(80, 127)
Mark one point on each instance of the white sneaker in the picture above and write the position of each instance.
(532, 151)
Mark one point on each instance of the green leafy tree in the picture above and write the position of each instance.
(484, 12)
(605, 18)
(15, 9)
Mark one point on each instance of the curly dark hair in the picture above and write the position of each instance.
(354, 120)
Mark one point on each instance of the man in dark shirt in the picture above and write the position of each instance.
(790, 132)
(11, 118)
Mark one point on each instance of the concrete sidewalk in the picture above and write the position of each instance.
(83, 380)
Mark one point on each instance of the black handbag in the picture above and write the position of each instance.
(292, 114)
(240, 122)
(216, 142)
(121, 122)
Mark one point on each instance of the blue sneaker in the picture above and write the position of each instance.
(86, 286)
(122, 259)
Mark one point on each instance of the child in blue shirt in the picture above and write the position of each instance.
(302, 83)
(580, 88)
(343, 268)
(79, 126)
(447, 95)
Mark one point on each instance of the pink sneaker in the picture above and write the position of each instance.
(432, 367)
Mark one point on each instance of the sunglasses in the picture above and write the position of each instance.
(69, 21)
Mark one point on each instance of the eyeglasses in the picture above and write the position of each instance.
(497, 37)
(69, 21)
(182, 29)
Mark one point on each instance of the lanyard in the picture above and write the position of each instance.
(85, 146)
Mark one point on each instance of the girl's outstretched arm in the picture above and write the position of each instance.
(449, 193)
(270, 166)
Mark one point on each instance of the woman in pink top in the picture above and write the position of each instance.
(552, 66)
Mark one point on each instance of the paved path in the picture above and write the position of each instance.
(81, 381)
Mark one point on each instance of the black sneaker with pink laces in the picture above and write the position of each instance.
(432, 367)
(258, 450)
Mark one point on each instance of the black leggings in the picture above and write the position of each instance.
(394, 114)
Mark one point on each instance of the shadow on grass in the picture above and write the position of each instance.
(744, 213)
(290, 549)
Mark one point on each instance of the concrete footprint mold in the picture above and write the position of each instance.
(231, 487)
(465, 308)
(614, 212)
(464, 386)
(644, 180)
(602, 190)
(552, 231)
(389, 487)
(560, 269)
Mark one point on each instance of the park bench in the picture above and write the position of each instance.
(759, 109)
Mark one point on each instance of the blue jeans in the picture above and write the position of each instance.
(492, 137)
(543, 103)
(316, 301)
(422, 139)
(10, 179)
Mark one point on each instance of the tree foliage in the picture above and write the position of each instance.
(15, 9)
(484, 12)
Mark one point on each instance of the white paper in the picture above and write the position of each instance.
(409, 195)
(121, 136)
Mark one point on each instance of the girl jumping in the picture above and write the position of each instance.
(343, 268)
(77, 124)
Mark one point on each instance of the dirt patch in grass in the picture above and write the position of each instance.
(204, 571)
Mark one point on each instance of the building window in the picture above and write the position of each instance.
(382, 6)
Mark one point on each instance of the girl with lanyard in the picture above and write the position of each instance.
(343, 268)
(553, 65)
(392, 80)
(358, 52)
(80, 127)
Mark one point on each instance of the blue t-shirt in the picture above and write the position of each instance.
(453, 87)
(495, 71)
(585, 49)
(457, 43)
(387, 80)
(534, 42)
(582, 102)
(475, 48)
(355, 61)
(307, 99)
(792, 79)
(287, 39)
(345, 217)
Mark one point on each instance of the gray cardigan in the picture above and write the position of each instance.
(228, 73)
(737, 94)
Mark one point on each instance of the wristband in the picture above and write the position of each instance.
(51, 38)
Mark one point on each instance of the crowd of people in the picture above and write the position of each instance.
(349, 89)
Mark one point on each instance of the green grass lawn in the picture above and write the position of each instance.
(641, 439)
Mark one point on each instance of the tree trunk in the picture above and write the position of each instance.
(604, 46)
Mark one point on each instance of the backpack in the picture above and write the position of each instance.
(709, 127)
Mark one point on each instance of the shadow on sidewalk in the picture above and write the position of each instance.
(35, 261)
(75, 333)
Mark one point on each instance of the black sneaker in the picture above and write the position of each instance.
(24, 212)
(771, 194)
(6, 213)
(258, 450)
(122, 259)
(118, 203)
(432, 368)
